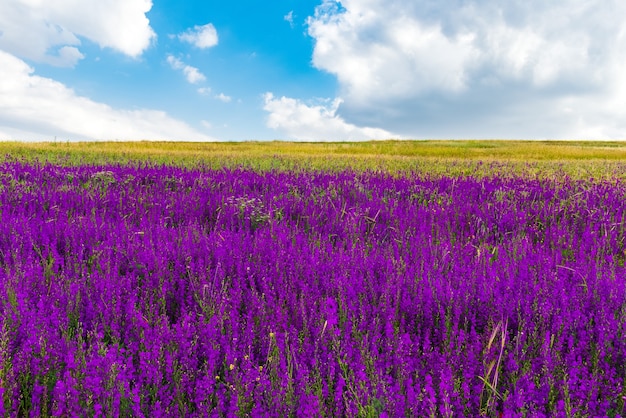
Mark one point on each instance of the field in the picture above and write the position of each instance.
(600, 160)
(377, 279)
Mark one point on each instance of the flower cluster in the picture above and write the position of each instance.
(146, 290)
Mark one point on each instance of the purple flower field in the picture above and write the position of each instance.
(161, 291)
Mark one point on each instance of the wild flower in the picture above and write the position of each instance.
(146, 290)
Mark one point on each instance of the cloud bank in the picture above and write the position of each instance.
(38, 108)
(318, 122)
(525, 69)
(49, 31)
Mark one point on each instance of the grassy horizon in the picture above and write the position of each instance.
(578, 159)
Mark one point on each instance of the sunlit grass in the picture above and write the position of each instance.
(477, 158)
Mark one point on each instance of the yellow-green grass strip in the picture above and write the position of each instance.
(580, 160)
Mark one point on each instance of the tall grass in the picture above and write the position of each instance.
(600, 160)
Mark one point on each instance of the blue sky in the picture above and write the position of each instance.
(312, 70)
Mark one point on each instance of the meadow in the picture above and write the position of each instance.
(598, 160)
(378, 279)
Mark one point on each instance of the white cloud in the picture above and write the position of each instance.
(38, 108)
(69, 56)
(10, 134)
(319, 122)
(192, 74)
(200, 36)
(224, 98)
(204, 91)
(289, 18)
(48, 31)
(66, 56)
(374, 57)
(486, 68)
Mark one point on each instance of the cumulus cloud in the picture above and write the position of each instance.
(317, 122)
(373, 56)
(477, 68)
(192, 74)
(200, 36)
(48, 31)
(38, 108)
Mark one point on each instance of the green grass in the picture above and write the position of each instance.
(480, 157)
